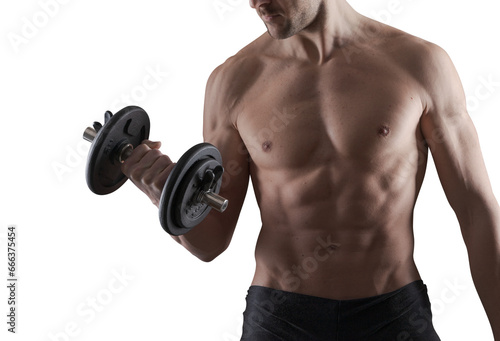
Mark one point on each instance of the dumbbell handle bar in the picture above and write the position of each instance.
(209, 198)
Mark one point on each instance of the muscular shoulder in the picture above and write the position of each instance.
(426, 63)
(229, 82)
(412, 53)
(425, 60)
(441, 86)
(433, 68)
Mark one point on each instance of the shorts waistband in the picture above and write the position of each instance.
(415, 286)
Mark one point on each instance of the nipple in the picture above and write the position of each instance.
(384, 130)
(267, 145)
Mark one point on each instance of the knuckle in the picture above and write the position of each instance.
(159, 181)
(156, 153)
(167, 159)
(148, 179)
(150, 156)
(163, 161)
(136, 174)
(142, 147)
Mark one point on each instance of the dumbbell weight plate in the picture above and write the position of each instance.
(189, 211)
(129, 125)
(179, 211)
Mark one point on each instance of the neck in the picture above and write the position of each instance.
(336, 24)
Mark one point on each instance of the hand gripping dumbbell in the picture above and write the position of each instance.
(191, 189)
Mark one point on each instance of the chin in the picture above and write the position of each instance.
(279, 35)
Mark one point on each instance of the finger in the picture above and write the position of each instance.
(143, 173)
(159, 180)
(163, 175)
(147, 161)
(136, 157)
(152, 144)
(151, 175)
(139, 151)
(134, 161)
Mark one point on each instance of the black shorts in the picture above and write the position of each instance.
(401, 315)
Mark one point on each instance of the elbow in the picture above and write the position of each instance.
(215, 251)
(208, 257)
(207, 253)
(206, 246)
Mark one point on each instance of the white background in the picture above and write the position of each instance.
(84, 57)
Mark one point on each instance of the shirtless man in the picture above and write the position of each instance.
(332, 115)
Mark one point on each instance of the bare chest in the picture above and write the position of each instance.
(296, 114)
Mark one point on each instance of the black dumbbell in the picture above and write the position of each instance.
(191, 189)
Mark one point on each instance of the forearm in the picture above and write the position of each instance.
(149, 169)
(207, 240)
(485, 272)
(487, 282)
(483, 244)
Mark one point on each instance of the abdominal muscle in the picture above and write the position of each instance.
(337, 237)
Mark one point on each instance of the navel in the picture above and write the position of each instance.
(266, 146)
(384, 130)
(333, 247)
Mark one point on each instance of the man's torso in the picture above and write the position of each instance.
(337, 160)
